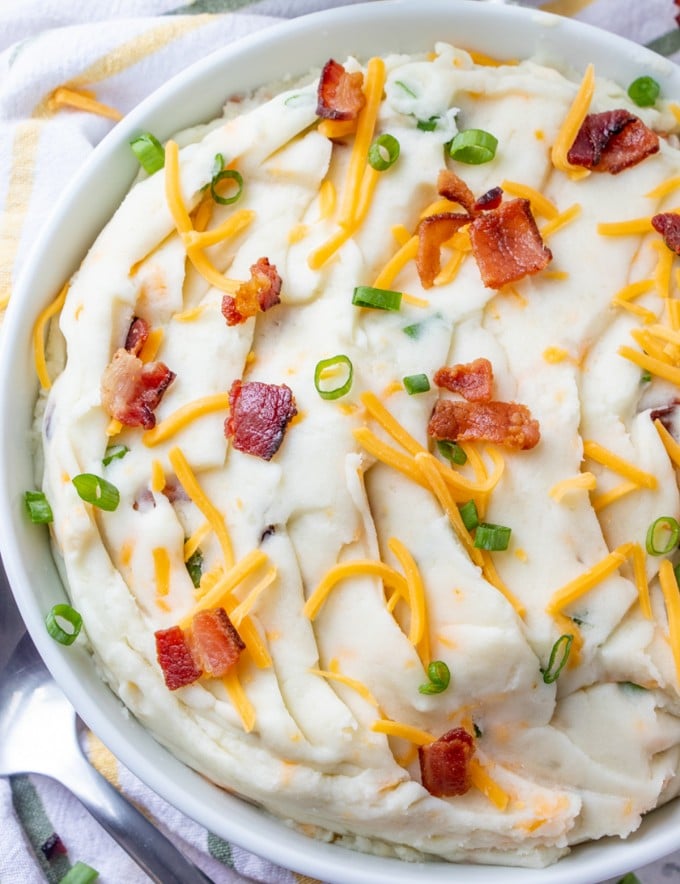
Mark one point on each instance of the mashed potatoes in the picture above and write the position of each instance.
(342, 557)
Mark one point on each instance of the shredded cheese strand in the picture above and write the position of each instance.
(245, 607)
(582, 584)
(157, 476)
(669, 588)
(483, 782)
(161, 569)
(540, 204)
(561, 220)
(184, 415)
(625, 228)
(192, 543)
(39, 337)
(654, 366)
(416, 591)
(239, 699)
(669, 443)
(336, 128)
(188, 481)
(84, 100)
(396, 264)
(582, 482)
(152, 345)
(214, 598)
(233, 225)
(493, 577)
(665, 188)
(640, 577)
(607, 458)
(356, 568)
(606, 498)
(571, 125)
(353, 683)
(405, 731)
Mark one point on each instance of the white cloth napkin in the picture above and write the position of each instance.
(122, 50)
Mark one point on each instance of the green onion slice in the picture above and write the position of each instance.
(413, 331)
(80, 873)
(221, 174)
(378, 299)
(428, 125)
(407, 89)
(97, 491)
(194, 565)
(662, 536)
(492, 537)
(558, 658)
(478, 730)
(439, 677)
(469, 515)
(384, 152)
(644, 91)
(114, 452)
(473, 146)
(416, 383)
(452, 451)
(149, 151)
(332, 362)
(68, 615)
(645, 377)
(38, 507)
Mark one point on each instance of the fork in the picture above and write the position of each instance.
(39, 733)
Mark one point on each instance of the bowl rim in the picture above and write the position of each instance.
(242, 823)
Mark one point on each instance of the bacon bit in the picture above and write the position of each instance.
(612, 141)
(53, 846)
(668, 225)
(340, 95)
(259, 415)
(175, 658)
(137, 335)
(489, 200)
(260, 292)
(667, 415)
(445, 764)
(506, 423)
(131, 390)
(174, 492)
(433, 232)
(145, 501)
(507, 244)
(453, 188)
(215, 643)
(473, 380)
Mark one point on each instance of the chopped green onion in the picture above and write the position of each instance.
(662, 536)
(558, 658)
(645, 377)
(452, 451)
(378, 299)
(631, 687)
(473, 146)
(80, 873)
(644, 91)
(149, 151)
(428, 125)
(97, 491)
(332, 362)
(439, 677)
(68, 615)
(114, 452)
(492, 537)
(406, 88)
(414, 331)
(194, 565)
(629, 878)
(416, 383)
(219, 173)
(676, 571)
(469, 515)
(38, 507)
(384, 152)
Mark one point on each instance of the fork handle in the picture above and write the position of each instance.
(141, 840)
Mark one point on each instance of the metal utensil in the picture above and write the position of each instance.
(39, 734)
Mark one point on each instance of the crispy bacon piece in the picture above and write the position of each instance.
(433, 232)
(506, 423)
(489, 200)
(137, 335)
(668, 225)
(507, 244)
(260, 292)
(612, 141)
(445, 764)
(259, 415)
(453, 188)
(215, 643)
(131, 389)
(175, 658)
(340, 95)
(473, 380)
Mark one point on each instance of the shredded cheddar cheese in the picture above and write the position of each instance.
(396, 264)
(582, 482)
(39, 337)
(652, 365)
(353, 683)
(161, 567)
(239, 699)
(405, 731)
(669, 443)
(607, 458)
(185, 415)
(669, 588)
(606, 498)
(232, 226)
(540, 204)
(561, 220)
(633, 227)
(157, 476)
(571, 125)
(356, 568)
(249, 602)
(192, 543)
(578, 587)
(81, 99)
(484, 783)
(416, 591)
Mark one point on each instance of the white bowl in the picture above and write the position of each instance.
(197, 95)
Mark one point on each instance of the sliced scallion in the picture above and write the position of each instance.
(80, 873)
(477, 730)
(473, 146)
(439, 677)
(452, 451)
(114, 452)
(413, 331)
(68, 615)
(97, 491)
(407, 89)
(221, 174)
(38, 507)
(326, 365)
(149, 152)
(384, 152)
(645, 377)
(559, 655)
(662, 536)
(428, 125)
(629, 878)
(644, 91)
(416, 383)
(194, 565)
(377, 299)
(469, 515)
(494, 538)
